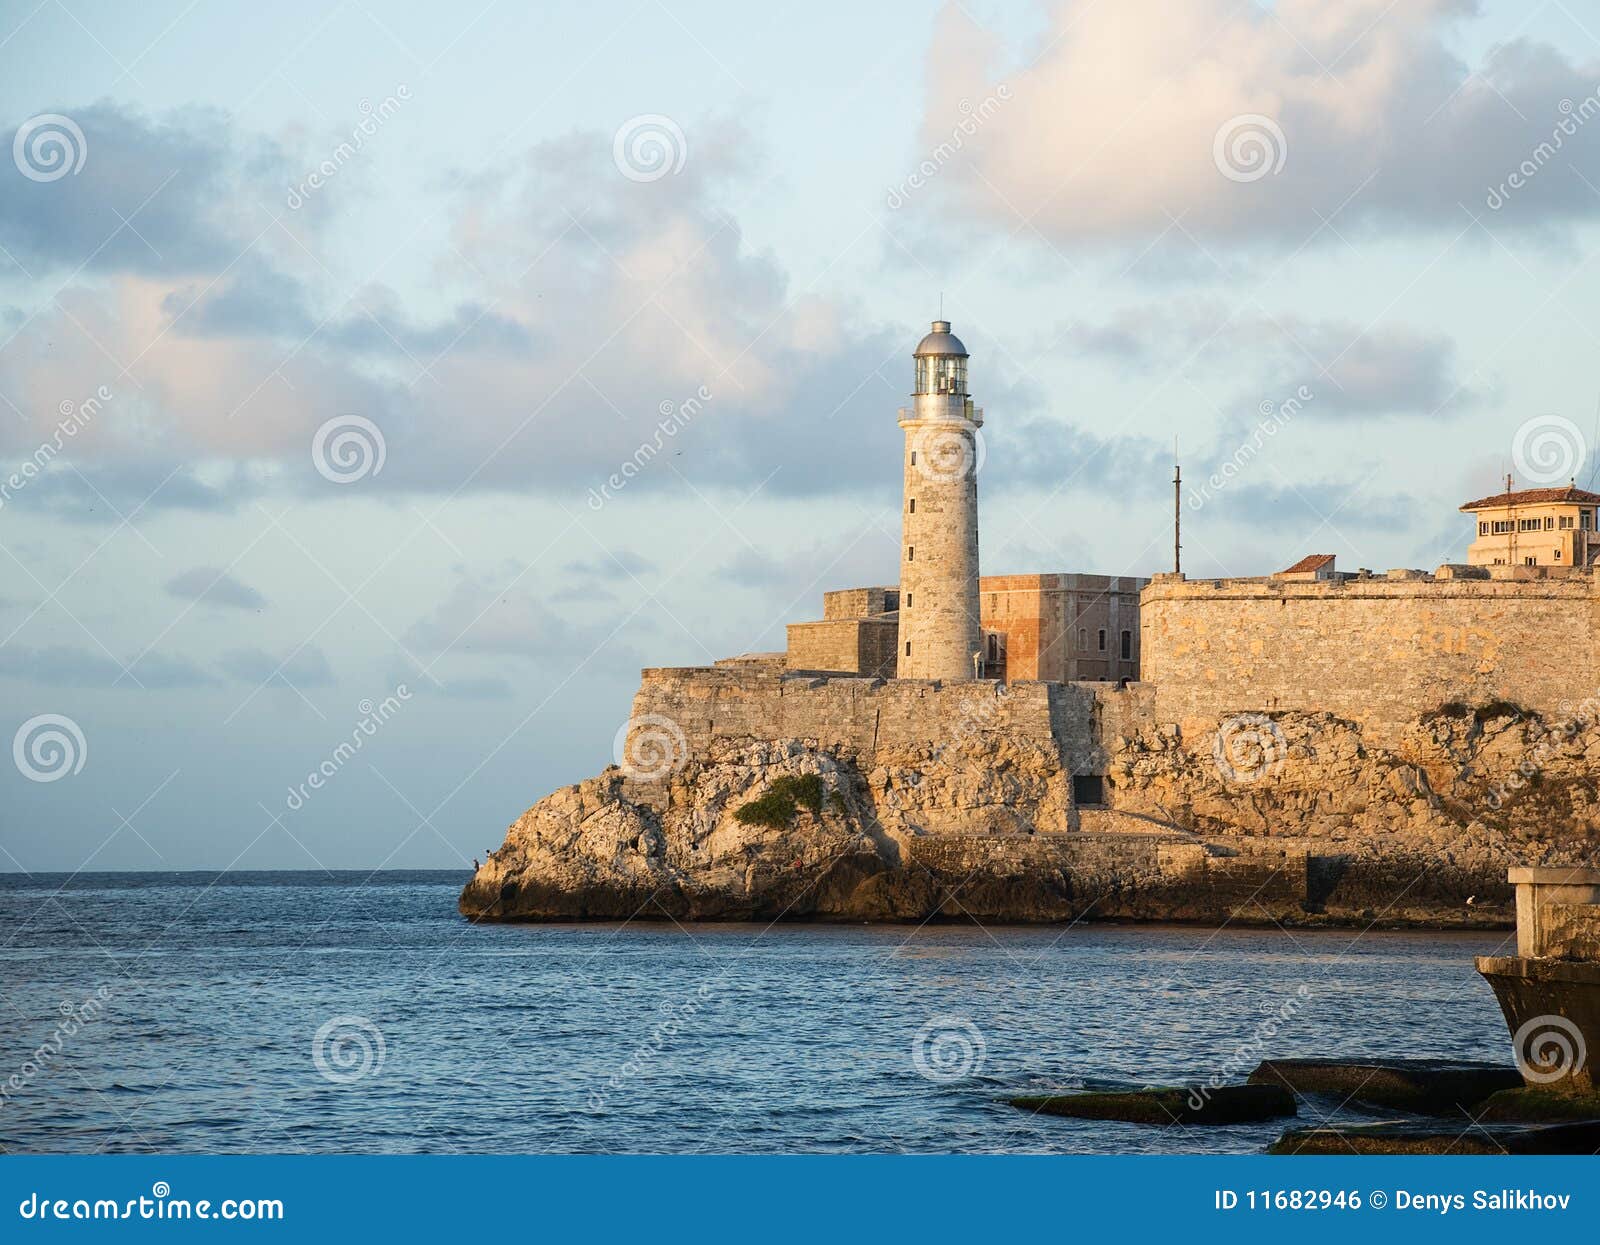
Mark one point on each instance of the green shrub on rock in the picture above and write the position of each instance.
(776, 808)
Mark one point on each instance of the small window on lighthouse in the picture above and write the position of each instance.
(913, 458)
(908, 648)
(911, 553)
(913, 505)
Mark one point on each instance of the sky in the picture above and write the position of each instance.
(327, 329)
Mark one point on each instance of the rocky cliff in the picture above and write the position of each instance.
(1292, 817)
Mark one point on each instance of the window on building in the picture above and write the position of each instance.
(913, 458)
(1083, 639)
(908, 648)
(1483, 529)
(1556, 554)
(994, 649)
(1566, 523)
(1501, 526)
(1102, 639)
(1530, 525)
(911, 506)
(1127, 646)
(1549, 523)
(911, 553)
(1583, 519)
(1530, 561)
(908, 600)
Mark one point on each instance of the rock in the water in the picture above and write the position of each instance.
(1425, 1086)
(1183, 1104)
(1421, 1137)
(1538, 1106)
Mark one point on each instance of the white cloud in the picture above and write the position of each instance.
(584, 312)
(1115, 109)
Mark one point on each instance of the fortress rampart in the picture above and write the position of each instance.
(1380, 652)
(861, 716)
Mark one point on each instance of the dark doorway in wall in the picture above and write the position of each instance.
(1088, 789)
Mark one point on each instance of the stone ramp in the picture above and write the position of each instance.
(1121, 821)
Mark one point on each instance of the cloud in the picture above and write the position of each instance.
(1111, 127)
(306, 667)
(208, 583)
(180, 193)
(597, 328)
(64, 666)
(1352, 370)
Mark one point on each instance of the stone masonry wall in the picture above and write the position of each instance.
(848, 644)
(856, 716)
(1377, 652)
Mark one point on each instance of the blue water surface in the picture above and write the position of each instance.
(314, 1013)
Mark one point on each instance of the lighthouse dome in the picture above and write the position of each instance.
(940, 342)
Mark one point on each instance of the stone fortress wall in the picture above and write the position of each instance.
(861, 716)
(1379, 651)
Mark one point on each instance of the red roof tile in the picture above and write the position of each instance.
(1311, 562)
(1533, 496)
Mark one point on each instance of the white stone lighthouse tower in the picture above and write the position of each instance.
(940, 634)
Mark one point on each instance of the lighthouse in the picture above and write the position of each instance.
(939, 632)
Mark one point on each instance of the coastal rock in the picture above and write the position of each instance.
(1411, 1137)
(1425, 1086)
(963, 808)
(1184, 1104)
(614, 849)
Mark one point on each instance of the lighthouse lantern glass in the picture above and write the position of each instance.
(941, 374)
